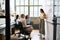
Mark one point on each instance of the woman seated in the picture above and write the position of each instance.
(17, 20)
(27, 20)
(27, 28)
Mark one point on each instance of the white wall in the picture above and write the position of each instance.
(12, 10)
(48, 8)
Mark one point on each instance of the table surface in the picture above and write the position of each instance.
(4, 25)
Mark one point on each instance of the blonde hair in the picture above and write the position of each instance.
(22, 16)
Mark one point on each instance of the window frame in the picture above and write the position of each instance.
(29, 7)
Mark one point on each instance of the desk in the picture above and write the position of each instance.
(2, 30)
(3, 26)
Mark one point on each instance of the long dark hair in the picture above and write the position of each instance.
(17, 16)
(41, 10)
(27, 16)
(22, 15)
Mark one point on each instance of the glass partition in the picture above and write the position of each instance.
(57, 8)
(2, 20)
(58, 29)
(57, 13)
(2, 28)
(2, 7)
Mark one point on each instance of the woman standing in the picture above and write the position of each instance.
(42, 23)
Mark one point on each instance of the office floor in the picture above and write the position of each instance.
(34, 35)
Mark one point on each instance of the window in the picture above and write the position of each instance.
(22, 2)
(35, 11)
(26, 2)
(57, 8)
(30, 7)
(36, 2)
(17, 10)
(31, 11)
(17, 2)
(26, 10)
(31, 2)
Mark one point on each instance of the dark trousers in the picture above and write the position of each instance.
(13, 30)
(42, 26)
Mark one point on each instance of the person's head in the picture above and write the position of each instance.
(17, 16)
(41, 10)
(27, 16)
(22, 16)
(54, 15)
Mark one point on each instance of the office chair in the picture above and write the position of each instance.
(22, 32)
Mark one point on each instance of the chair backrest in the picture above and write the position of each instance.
(19, 26)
